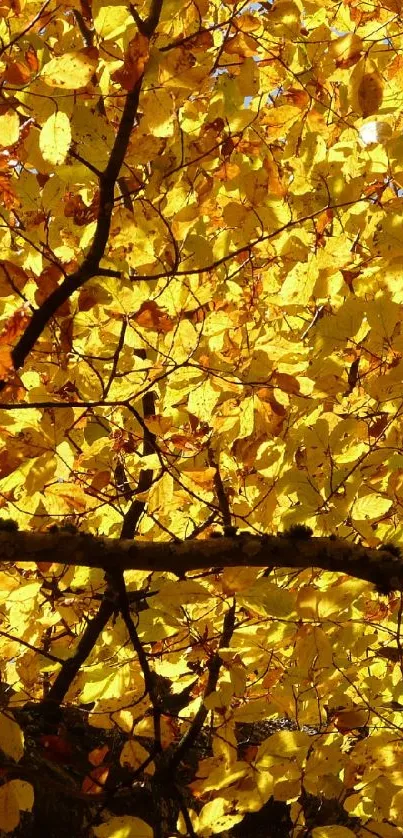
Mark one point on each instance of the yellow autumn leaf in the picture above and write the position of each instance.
(218, 779)
(9, 128)
(247, 418)
(134, 755)
(24, 794)
(11, 737)
(248, 22)
(333, 831)
(64, 497)
(280, 120)
(218, 815)
(238, 579)
(55, 138)
(172, 595)
(346, 48)
(192, 116)
(26, 593)
(91, 130)
(145, 728)
(112, 21)
(159, 114)
(154, 626)
(15, 796)
(287, 790)
(251, 217)
(202, 477)
(186, 341)
(370, 507)
(268, 600)
(123, 827)
(283, 745)
(70, 71)
(100, 685)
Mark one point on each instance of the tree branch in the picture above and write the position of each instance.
(71, 666)
(380, 567)
(214, 666)
(107, 180)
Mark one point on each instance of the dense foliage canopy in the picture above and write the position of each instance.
(201, 237)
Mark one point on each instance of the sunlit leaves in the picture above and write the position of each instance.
(55, 138)
(135, 60)
(251, 327)
(133, 755)
(9, 128)
(65, 498)
(123, 827)
(333, 831)
(69, 71)
(11, 737)
(219, 815)
(111, 22)
(6, 364)
(346, 49)
(371, 506)
(15, 796)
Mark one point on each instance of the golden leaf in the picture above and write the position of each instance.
(55, 138)
(70, 71)
(9, 128)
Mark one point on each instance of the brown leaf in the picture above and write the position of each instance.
(150, 316)
(15, 325)
(370, 93)
(285, 382)
(135, 60)
(12, 278)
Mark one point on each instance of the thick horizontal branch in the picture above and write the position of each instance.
(379, 567)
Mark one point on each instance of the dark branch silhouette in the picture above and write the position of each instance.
(380, 567)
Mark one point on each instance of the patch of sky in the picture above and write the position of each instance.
(259, 7)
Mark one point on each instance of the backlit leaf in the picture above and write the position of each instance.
(332, 832)
(15, 795)
(371, 506)
(9, 128)
(123, 827)
(55, 138)
(69, 71)
(370, 93)
(11, 737)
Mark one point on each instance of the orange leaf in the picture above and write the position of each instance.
(135, 60)
(32, 59)
(324, 220)
(285, 382)
(47, 281)
(15, 326)
(97, 755)
(150, 316)
(241, 44)
(11, 277)
(94, 782)
(348, 720)
(17, 73)
(7, 194)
